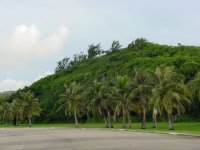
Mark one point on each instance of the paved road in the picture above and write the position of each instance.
(91, 139)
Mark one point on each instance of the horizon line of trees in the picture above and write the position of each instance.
(96, 50)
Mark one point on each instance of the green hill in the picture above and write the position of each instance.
(121, 62)
(6, 93)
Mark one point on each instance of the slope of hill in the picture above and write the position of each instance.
(7, 93)
(122, 62)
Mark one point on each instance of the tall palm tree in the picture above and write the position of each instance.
(99, 94)
(169, 93)
(71, 100)
(141, 91)
(124, 103)
(17, 110)
(87, 105)
(30, 106)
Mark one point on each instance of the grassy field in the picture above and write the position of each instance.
(180, 127)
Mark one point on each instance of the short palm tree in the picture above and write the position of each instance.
(30, 106)
(71, 100)
(169, 93)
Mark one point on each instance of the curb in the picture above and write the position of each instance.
(154, 132)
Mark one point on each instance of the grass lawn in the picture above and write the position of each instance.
(180, 127)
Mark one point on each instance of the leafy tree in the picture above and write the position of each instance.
(71, 100)
(169, 93)
(81, 56)
(94, 50)
(77, 57)
(115, 46)
(190, 69)
(30, 106)
(141, 91)
(138, 44)
(63, 64)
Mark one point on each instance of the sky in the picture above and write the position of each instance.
(35, 34)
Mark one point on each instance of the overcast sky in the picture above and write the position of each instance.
(35, 34)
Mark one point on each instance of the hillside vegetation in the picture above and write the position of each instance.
(107, 66)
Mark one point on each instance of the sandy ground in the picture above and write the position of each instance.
(91, 139)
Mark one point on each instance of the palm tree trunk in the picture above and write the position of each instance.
(75, 118)
(143, 117)
(109, 120)
(6, 122)
(16, 121)
(105, 120)
(88, 115)
(154, 125)
(29, 122)
(171, 122)
(124, 117)
(129, 119)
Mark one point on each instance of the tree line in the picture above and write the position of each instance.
(162, 92)
(93, 51)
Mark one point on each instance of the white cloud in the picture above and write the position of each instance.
(27, 44)
(12, 85)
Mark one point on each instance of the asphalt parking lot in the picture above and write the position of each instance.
(91, 139)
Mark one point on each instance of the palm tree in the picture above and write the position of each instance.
(17, 110)
(71, 100)
(99, 94)
(141, 91)
(124, 103)
(30, 106)
(87, 104)
(6, 112)
(194, 87)
(169, 93)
